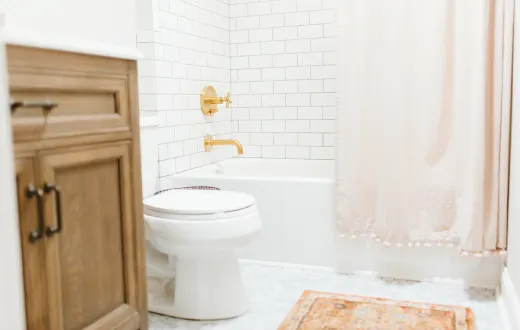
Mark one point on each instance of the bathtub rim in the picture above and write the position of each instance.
(207, 172)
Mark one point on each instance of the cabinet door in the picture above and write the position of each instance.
(32, 241)
(92, 261)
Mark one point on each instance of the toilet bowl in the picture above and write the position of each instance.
(193, 270)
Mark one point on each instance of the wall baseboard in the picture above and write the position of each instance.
(362, 273)
(509, 301)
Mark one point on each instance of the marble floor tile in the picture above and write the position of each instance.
(274, 290)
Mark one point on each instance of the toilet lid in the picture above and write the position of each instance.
(198, 202)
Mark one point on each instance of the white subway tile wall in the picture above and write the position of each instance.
(187, 49)
(277, 57)
(283, 77)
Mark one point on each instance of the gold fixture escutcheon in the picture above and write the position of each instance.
(209, 100)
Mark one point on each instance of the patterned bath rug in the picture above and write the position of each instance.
(319, 310)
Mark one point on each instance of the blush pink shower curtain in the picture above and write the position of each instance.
(424, 122)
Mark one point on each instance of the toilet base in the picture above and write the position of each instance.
(208, 286)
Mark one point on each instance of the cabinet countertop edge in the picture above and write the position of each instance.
(19, 38)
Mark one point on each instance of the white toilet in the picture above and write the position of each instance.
(192, 268)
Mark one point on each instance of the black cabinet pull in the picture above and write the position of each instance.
(46, 105)
(30, 193)
(48, 188)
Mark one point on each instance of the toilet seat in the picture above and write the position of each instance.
(199, 205)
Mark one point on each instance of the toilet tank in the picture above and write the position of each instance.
(149, 154)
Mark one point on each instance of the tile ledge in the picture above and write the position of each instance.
(152, 121)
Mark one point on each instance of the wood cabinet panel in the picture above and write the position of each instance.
(33, 252)
(92, 260)
(91, 96)
(70, 103)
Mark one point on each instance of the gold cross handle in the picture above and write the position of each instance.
(227, 99)
(209, 100)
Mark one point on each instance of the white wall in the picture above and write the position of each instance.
(186, 46)
(96, 21)
(283, 77)
(513, 258)
(11, 285)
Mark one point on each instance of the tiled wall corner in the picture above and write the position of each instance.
(283, 77)
(277, 57)
(189, 49)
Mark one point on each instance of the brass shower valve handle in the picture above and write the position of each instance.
(227, 100)
(209, 100)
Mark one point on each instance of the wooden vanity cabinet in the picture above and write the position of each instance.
(76, 141)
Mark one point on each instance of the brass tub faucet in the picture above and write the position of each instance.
(209, 143)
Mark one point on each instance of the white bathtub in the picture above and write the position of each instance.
(296, 202)
(295, 198)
